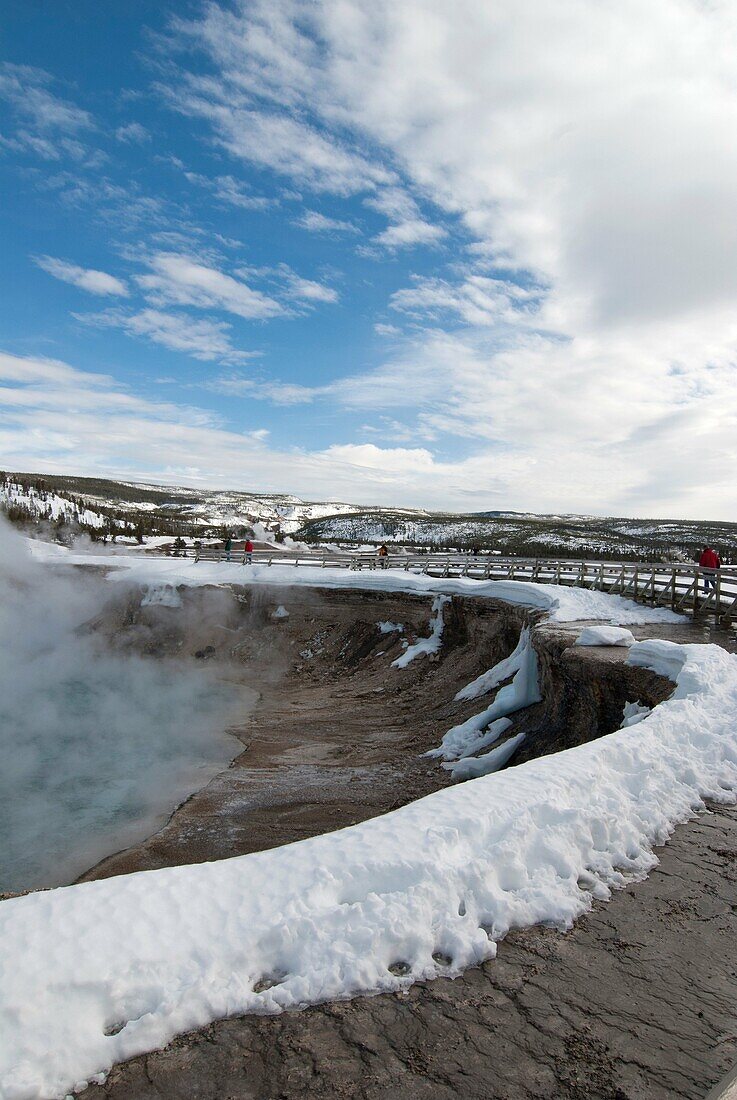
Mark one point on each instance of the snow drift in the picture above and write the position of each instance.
(97, 973)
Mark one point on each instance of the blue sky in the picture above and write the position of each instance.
(372, 252)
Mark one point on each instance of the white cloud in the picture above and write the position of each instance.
(95, 282)
(279, 393)
(281, 143)
(586, 149)
(307, 289)
(202, 339)
(26, 89)
(112, 428)
(315, 222)
(182, 280)
(133, 133)
(231, 192)
(366, 456)
(406, 225)
(477, 300)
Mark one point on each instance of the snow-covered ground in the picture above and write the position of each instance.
(99, 972)
(562, 603)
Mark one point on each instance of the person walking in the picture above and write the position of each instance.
(228, 547)
(248, 552)
(383, 555)
(709, 562)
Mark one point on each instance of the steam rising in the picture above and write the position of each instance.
(93, 744)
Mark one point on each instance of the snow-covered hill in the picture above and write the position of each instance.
(530, 535)
(146, 510)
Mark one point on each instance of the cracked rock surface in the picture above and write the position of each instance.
(637, 1002)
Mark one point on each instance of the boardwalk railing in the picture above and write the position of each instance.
(682, 587)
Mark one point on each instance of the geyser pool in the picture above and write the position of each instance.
(100, 760)
(96, 746)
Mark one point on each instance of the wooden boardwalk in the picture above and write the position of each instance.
(681, 587)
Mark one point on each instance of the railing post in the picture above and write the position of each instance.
(718, 599)
(697, 574)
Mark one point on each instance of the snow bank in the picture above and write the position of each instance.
(563, 604)
(501, 671)
(426, 646)
(605, 635)
(467, 737)
(474, 766)
(99, 972)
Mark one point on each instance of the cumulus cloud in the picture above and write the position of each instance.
(95, 282)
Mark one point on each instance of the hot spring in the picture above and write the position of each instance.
(97, 746)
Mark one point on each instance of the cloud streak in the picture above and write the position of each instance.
(94, 282)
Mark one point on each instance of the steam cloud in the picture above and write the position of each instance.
(93, 744)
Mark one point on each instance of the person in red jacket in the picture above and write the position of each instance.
(248, 552)
(709, 562)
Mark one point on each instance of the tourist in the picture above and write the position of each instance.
(228, 547)
(383, 555)
(248, 552)
(709, 562)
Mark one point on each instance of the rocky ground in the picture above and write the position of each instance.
(636, 1002)
(338, 734)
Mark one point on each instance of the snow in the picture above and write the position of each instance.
(153, 954)
(560, 602)
(634, 713)
(161, 595)
(466, 738)
(474, 767)
(605, 635)
(390, 628)
(426, 647)
(501, 671)
(472, 736)
(280, 613)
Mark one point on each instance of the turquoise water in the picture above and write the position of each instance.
(95, 761)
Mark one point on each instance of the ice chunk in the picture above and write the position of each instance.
(522, 692)
(501, 671)
(473, 767)
(633, 713)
